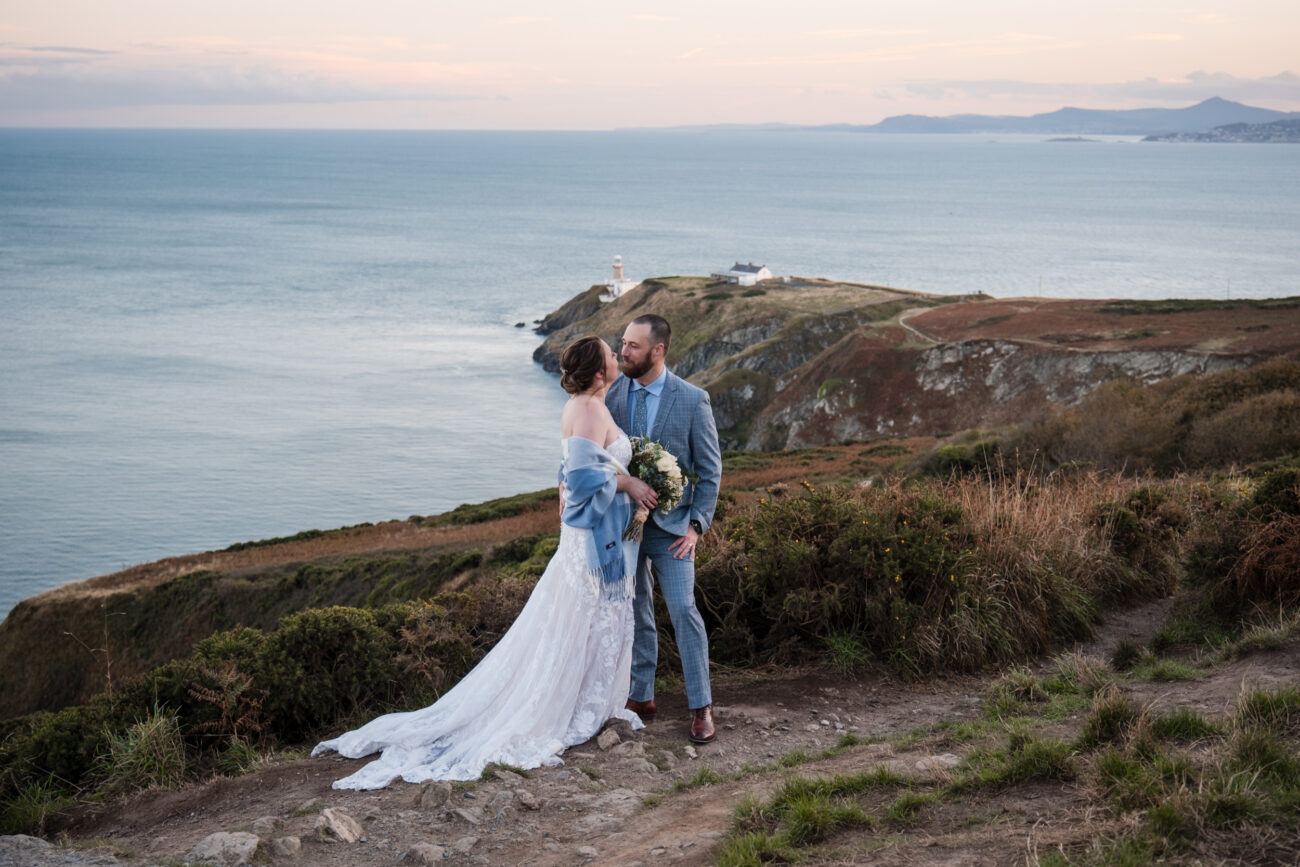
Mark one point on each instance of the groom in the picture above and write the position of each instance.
(650, 401)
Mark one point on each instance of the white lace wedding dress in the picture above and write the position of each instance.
(558, 674)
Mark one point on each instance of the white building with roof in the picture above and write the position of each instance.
(744, 275)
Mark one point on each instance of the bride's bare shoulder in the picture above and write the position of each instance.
(585, 417)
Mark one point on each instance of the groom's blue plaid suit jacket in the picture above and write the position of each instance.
(684, 425)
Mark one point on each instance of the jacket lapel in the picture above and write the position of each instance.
(666, 400)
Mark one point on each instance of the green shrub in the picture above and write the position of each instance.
(799, 570)
(978, 452)
(63, 746)
(1278, 491)
(241, 645)
(322, 666)
(901, 576)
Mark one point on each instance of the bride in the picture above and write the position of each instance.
(564, 667)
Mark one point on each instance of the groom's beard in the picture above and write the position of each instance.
(635, 370)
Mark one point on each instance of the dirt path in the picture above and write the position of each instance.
(616, 803)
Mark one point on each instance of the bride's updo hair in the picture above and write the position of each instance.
(581, 361)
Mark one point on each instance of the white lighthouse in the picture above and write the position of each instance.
(617, 284)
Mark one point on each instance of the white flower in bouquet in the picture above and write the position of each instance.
(657, 467)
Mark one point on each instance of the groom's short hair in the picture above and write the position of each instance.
(660, 330)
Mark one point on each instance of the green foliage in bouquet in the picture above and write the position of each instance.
(658, 468)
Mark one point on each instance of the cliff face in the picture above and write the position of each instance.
(814, 362)
(863, 390)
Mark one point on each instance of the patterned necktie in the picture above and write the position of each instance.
(639, 414)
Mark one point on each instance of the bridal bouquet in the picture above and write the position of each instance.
(654, 465)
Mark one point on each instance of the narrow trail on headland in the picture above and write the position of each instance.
(651, 796)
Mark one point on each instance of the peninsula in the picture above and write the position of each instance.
(800, 362)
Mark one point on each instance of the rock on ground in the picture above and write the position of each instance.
(226, 848)
(336, 826)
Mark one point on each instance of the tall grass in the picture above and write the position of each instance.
(150, 752)
(953, 574)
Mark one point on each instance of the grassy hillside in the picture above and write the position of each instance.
(813, 362)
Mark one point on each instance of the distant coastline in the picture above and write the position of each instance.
(1210, 114)
(1285, 131)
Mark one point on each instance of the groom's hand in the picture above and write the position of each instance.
(684, 548)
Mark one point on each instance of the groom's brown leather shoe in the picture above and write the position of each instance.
(702, 725)
(644, 709)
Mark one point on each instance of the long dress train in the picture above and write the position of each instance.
(558, 674)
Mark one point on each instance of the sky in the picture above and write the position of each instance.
(603, 64)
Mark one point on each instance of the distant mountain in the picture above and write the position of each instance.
(1285, 131)
(1082, 121)
(1211, 113)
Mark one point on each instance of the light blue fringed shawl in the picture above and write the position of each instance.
(592, 502)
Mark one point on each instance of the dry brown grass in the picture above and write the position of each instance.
(1268, 573)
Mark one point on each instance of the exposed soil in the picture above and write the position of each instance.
(618, 806)
(1084, 324)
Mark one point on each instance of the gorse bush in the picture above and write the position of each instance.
(243, 691)
(802, 569)
(324, 664)
(941, 576)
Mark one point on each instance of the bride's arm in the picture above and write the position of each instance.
(640, 492)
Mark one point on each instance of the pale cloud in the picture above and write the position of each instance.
(520, 20)
(61, 49)
(1157, 37)
(692, 53)
(213, 71)
(45, 56)
(655, 19)
(1009, 44)
(864, 33)
(189, 85)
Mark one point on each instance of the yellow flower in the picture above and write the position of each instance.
(896, 578)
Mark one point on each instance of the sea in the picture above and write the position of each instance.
(208, 337)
